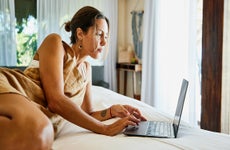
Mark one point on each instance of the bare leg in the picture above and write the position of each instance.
(22, 125)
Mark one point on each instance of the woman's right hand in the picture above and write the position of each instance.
(120, 125)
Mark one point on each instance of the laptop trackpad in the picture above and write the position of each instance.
(141, 129)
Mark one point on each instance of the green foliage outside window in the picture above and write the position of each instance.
(26, 40)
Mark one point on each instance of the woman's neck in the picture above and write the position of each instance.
(79, 53)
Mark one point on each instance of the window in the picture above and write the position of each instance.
(26, 30)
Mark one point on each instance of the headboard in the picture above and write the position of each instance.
(97, 75)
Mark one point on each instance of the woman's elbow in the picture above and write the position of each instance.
(52, 107)
(54, 104)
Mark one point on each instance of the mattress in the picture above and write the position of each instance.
(72, 137)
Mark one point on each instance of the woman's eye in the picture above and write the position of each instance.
(99, 34)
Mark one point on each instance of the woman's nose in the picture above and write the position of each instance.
(103, 41)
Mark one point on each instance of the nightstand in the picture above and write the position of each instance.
(127, 67)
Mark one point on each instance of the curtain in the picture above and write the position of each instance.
(225, 103)
(148, 58)
(111, 11)
(51, 19)
(170, 53)
(7, 33)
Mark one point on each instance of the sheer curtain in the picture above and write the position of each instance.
(170, 53)
(51, 19)
(225, 103)
(111, 11)
(7, 33)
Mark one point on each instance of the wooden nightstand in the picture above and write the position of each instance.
(133, 68)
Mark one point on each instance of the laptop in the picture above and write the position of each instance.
(159, 128)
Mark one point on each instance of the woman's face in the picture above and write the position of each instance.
(95, 40)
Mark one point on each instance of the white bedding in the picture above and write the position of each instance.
(73, 137)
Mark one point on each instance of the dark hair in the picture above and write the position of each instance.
(84, 18)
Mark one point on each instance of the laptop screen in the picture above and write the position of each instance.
(177, 117)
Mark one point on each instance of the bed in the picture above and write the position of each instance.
(72, 137)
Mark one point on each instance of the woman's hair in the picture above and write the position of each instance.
(84, 18)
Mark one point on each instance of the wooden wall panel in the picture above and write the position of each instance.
(212, 64)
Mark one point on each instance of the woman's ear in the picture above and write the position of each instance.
(79, 33)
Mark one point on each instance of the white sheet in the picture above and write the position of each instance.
(73, 137)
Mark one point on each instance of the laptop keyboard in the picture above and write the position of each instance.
(159, 128)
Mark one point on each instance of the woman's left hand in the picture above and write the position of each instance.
(126, 110)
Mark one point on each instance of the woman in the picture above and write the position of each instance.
(34, 103)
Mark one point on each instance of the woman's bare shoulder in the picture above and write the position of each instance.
(53, 37)
(52, 42)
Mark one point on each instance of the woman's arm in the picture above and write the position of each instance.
(118, 111)
(51, 59)
(87, 105)
(113, 111)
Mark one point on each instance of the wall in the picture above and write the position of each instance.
(125, 35)
(124, 20)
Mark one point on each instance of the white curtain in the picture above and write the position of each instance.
(111, 11)
(225, 103)
(52, 14)
(7, 33)
(170, 53)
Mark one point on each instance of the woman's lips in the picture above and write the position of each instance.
(99, 50)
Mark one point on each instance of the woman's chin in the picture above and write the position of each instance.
(95, 56)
